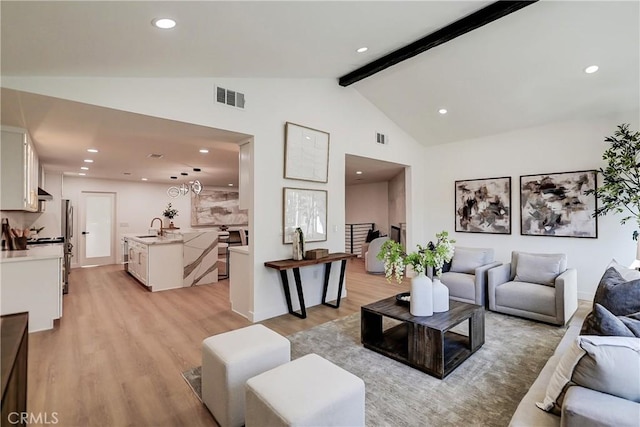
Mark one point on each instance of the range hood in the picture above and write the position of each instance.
(43, 195)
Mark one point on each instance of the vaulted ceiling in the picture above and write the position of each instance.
(522, 70)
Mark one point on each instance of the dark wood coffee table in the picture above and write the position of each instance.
(424, 343)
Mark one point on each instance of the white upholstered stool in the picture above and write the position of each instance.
(229, 360)
(309, 391)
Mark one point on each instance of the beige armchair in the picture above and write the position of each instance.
(535, 286)
(371, 263)
(467, 275)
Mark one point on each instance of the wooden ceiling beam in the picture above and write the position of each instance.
(462, 26)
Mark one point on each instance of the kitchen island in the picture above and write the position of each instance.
(31, 280)
(179, 259)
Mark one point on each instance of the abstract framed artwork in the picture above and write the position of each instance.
(306, 153)
(306, 209)
(555, 205)
(483, 205)
(217, 207)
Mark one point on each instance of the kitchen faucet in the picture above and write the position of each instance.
(161, 227)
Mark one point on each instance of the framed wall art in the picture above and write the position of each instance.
(554, 204)
(217, 207)
(306, 153)
(483, 205)
(306, 209)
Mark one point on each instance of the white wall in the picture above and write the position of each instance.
(368, 203)
(397, 200)
(350, 119)
(560, 147)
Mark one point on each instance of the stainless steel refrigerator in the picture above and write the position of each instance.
(67, 233)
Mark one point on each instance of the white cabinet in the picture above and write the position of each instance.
(19, 167)
(32, 281)
(156, 265)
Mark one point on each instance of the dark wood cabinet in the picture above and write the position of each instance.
(15, 346)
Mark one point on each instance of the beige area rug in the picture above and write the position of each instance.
(483, 391)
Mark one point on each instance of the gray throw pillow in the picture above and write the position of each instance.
(603, 322)
(539, 268)
(466, 260)
(619, 296)
(603, 364)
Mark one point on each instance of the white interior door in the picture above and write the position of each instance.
(97, 229)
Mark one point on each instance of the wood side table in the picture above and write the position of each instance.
(424, 343)
(289, 264)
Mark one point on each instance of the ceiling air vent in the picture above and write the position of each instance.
(381, 138)
(229, 97)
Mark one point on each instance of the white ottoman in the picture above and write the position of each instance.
(309, 391)
(229, 360)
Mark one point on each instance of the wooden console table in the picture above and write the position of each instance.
(287, 264)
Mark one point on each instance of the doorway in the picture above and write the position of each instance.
(96, 239)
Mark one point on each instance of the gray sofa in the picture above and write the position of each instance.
(582, 407)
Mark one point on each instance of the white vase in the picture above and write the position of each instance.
(440, 296)
(421, 303)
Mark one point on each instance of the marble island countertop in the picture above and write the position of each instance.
(33, 253)
(149, 239)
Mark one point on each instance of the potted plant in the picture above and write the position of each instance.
(620, 188)
(396, 260)
(169, 213)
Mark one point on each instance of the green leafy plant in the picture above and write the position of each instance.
(620, 189)
(395, 259)
(170, 212)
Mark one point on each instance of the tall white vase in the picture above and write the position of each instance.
(440, 296)
(421, 303)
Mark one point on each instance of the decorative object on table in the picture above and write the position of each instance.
(169, 213)
(440, 296)
(483, 205)
(559, 204)
(217, 207)
(396, 260)
(306, 153)
(306, 209)
(403, 298)
(620, 179)
(298, 244)
(442, 252)
(316, 253)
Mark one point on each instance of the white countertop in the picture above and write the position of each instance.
(239, 249)
(33, 253)
(156, 240)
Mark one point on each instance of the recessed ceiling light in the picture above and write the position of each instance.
(92, 150)
(204, 151)
(174, 177)
(164, 23)
(362, 49)
(88, 161)
(591, 69)
(358, 172)
(197, 169)
(144, 179)
(84, 168)
(82, 174)
(184, 173)
(443, 111)
(230, 185)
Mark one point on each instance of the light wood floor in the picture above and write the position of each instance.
(116, 356)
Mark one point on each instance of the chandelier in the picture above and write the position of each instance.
(184, 189)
